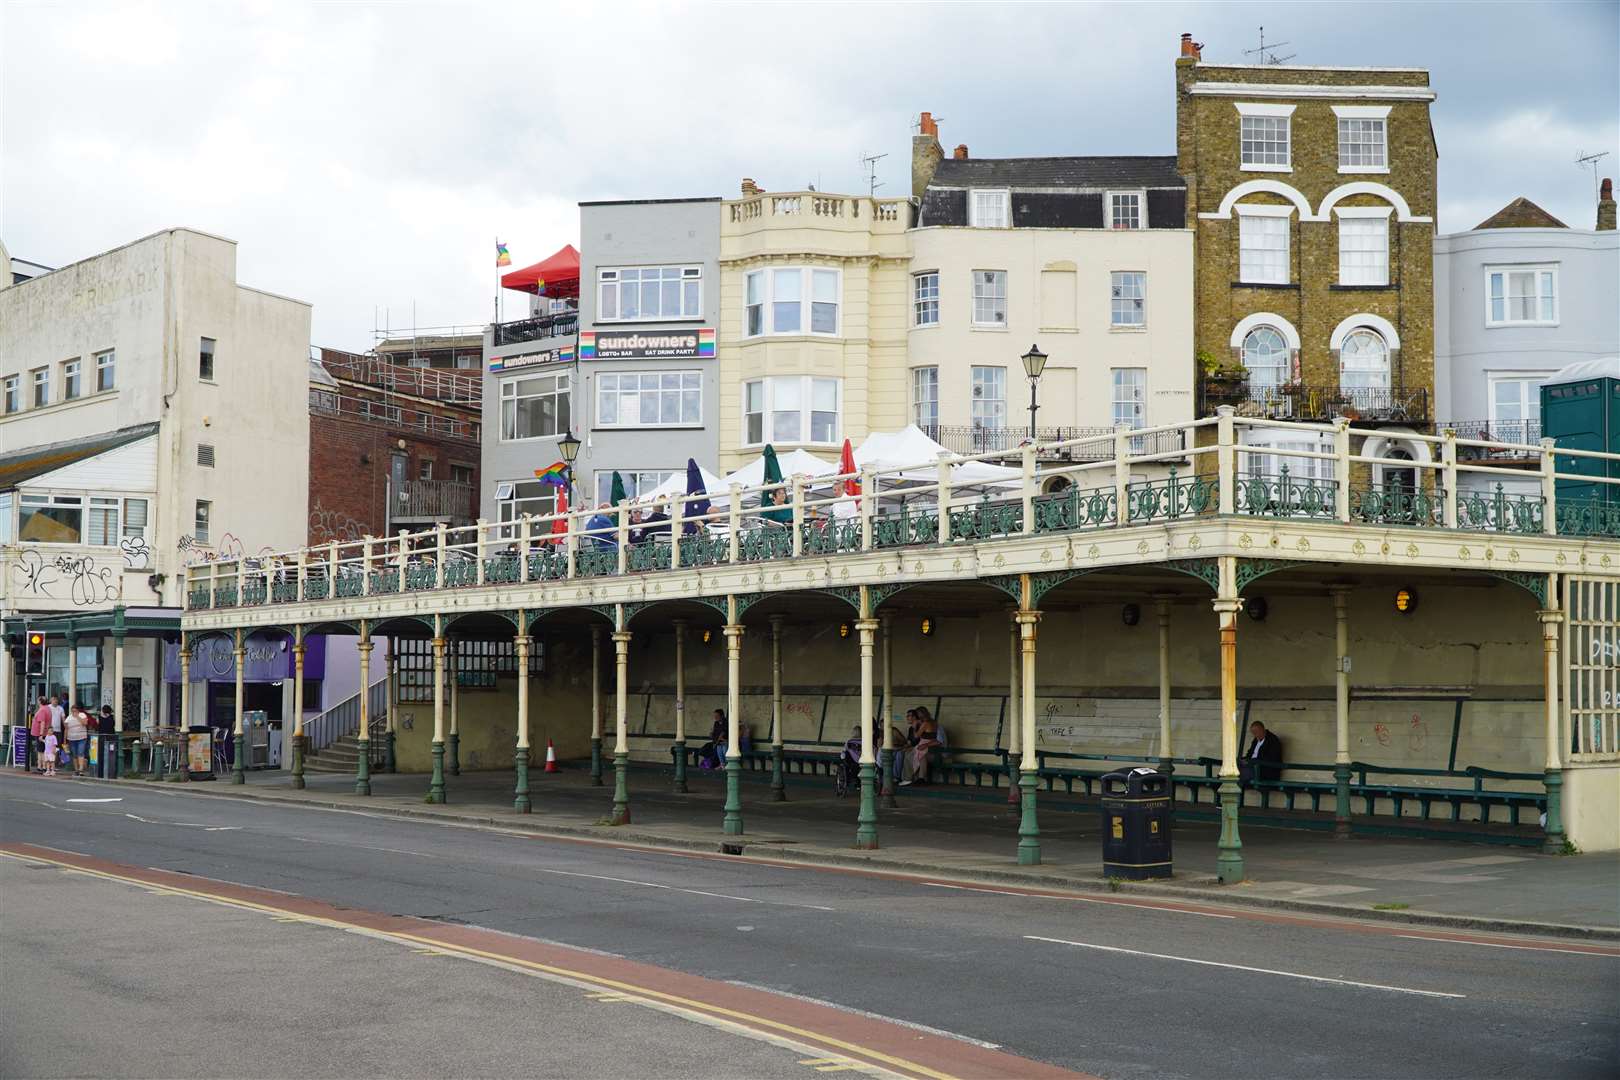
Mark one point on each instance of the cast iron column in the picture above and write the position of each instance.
(596, 706)
(362, 763)
(1341, 713)
(778, 781)
(679, 748)
(866, 834)
(520, 759)
(436, 785)
(621, 745)
(1551, 619)
(239, 766)
(1029, 831)
(732, 822)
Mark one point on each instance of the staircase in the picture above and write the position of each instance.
(340, 756)
(334, 742)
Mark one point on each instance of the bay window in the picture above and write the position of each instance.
(925, 298)
(792, 300)
(535, 408)
(925, 397)
(791, 409)
(989, 408)
(649, 293)
(649, 398)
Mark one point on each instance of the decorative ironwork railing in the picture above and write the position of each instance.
(1066, 444)
(1234, 466)
(1363, 404)
(562, 324)
(1526, 434)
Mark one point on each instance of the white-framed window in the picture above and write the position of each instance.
(202, 520)
(536, 407)
(42, 387)
(1364, 361)
(990, 298)
(925, 397)
(101, 525)
(205, 359)
(135, 511)
(1521, 296)
(106, 370)
(1127, 298)
(925, 298)
(1364, 246)
(989, 409)
(72, 379)
(5, 519)
(466, 362)
(1515, 399)
(1265, 356)
(1299, 468)
(1263, 245)
(50, 519)
(990, 209)
(793, 300)
(424, 469)
(1363, 138)
(637, 482)
(1264, 137)
(649, 293)
(514, 498)
(792, 409)
(1125, 210)
(13, 393)
(1130, 397)
(649, 399)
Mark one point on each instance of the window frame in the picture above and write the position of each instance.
(921, 299)
(1361, 113)
(73, 379)
(634, 482)
(40, 383)
(1387, 371)
(202, 521)
(761, 313)
(1507, 269)
(1140, 195)
(1360, 215)
(1264, 212)
(1139, 401)
(509, 512)
(929, 374)
(977, 400)
(1534, 380)
(1004, 195)
(11, 394)
(558, 392)
(1284, 366)
(680, 392)
(973, 307)
(685, 272)
(51, 500)
(1257, 111)
(106, 361)
(1113, 310)
(207, 359)
(807, 410)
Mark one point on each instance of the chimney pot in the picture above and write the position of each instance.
(1606, 208)
(960, 153)
(749, 187)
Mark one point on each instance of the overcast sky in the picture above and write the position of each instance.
(365, 156)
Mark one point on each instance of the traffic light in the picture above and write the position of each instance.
(36, 653)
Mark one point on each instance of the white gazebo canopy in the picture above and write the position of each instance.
(916, 457)
(794, 463)
(676, 485)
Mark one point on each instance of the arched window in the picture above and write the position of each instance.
(1265, 354)
(1363, 366)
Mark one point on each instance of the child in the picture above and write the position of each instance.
(51, 745)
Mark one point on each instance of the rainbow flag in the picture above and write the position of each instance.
(502, 256)
(555, 474)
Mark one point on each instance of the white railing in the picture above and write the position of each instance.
(1220, 465)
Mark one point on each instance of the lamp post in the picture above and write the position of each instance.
(568, 445)
(1034, 364)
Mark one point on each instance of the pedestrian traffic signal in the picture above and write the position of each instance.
(36, 653)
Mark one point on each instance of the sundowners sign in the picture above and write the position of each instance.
(646, 344)
(564, 355)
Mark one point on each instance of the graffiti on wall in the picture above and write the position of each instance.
(75, 578)
(137, 555)
(328, 525)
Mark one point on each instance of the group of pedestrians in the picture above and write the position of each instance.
(60, 734)
(922, 736)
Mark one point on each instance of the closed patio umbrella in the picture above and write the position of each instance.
(773, 475)
(617, 496)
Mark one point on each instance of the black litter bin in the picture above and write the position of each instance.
(1136, 824)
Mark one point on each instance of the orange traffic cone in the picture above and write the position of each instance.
(551, 757)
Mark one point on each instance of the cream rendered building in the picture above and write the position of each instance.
(813, 310)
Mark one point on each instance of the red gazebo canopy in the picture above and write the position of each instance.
(556, 276)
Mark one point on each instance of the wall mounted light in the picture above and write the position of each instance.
(1406, 600)
(843, 629)
(1130, 614)
(1257, 608)
(706, 636)
(927, 626)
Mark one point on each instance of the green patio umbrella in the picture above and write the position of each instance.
(617, 496)
(782, 515)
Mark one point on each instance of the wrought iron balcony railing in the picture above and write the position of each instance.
(1362, 404)
(1524, 433)
(562, 324)
(1056, 443)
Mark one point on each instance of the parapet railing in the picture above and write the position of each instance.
(1244, 467)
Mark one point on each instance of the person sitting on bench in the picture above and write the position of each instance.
(1263, 759)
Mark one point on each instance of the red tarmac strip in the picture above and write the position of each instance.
(886, 1045)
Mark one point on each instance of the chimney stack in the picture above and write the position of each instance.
(925, 154)
(749, 187)
(960, 153)
(1605, 218)
(1190, 49)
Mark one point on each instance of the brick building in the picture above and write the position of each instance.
(1312, 193)
(390, 447)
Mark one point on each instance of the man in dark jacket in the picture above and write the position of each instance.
(1263, 759)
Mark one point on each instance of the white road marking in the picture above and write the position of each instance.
(1078, 900)
(363, 847)
(676, 888)
(203, 825)
(1243, 967)
(869, 1015)
(120, 799)
(1504, 945)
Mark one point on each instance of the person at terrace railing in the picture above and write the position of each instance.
(779, 511)
(601, 528)
(654, 525)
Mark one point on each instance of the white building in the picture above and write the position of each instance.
(153, 412)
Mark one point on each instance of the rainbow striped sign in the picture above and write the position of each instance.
(696, 343)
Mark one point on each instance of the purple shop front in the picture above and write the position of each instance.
(213, 659)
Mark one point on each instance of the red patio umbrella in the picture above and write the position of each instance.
(846, 465)
(556, 276)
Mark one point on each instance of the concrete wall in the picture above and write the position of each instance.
(1077, 387)
(635, 234)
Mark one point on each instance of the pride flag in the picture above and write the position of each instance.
(555, 474)
(502, 256)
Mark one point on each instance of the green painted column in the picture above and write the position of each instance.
(520, 756)
(436, 784)
(866, 834)
(362, 764)
(239, 766)
(678, 747)
(596, 706)
(1167, 764)
(885, 738)
(596, 762)
(1341, 712)
(1229, 856)
(1029, 829)
(1015, 715)
(778, 780)
(118, 695)
(1552, 619)
(621, 790)
(621, 744)
(390, 760)
(299, 743)
(732, 822)
(455, 708)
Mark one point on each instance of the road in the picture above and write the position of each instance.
(1115, 987)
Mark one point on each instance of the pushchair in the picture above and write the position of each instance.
(847, 774)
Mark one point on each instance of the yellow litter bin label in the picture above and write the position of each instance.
(1119, 828)
(1153, 826)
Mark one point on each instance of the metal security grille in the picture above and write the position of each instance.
(1592, 666)
(474, 665)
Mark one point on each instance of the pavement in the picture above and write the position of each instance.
(946, 831)
(1116, 985)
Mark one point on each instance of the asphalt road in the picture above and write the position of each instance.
(1091, 985)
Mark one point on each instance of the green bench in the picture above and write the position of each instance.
(950, 763)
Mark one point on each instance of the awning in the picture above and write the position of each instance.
(557, 276)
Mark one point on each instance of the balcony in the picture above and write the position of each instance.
(341, 405)
(1317, 404)
(436, 500)
(1096, 443)
(562, 324)
(1522, 435)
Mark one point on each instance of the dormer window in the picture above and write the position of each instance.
(991, 209)
(1265, 137)
(1125, 210)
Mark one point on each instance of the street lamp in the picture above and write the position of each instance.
(1034, 364)
(569, 446)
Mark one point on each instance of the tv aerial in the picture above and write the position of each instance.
(1268, 53)
(1590, 161)
(869, 166)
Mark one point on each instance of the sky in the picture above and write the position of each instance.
(365, 156)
